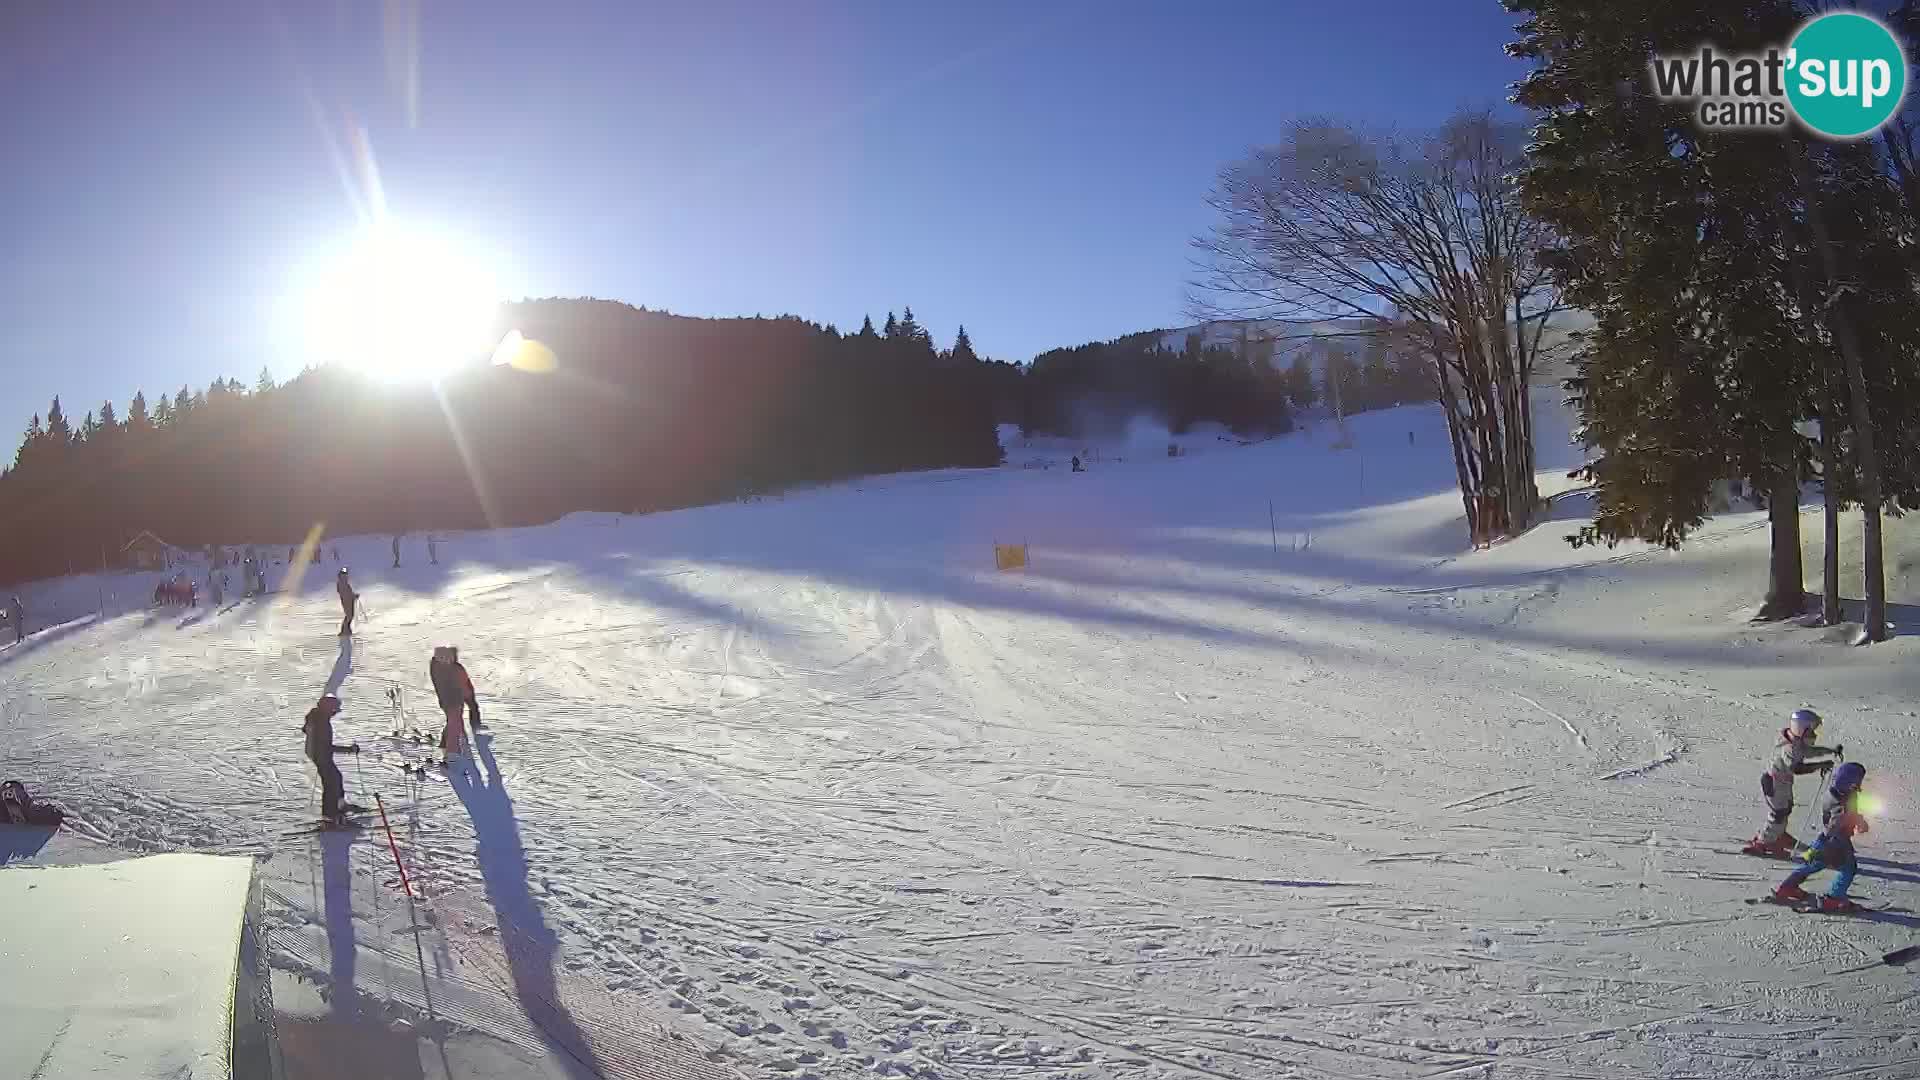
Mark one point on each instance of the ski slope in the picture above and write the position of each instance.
(1252, 773)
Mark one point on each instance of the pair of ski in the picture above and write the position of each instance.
(1804, 907)
(352, 819)
(1812, 906)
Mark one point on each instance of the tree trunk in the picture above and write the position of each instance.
(1786, 589)
(1830, 612)
(1469, 487)
(1870, 497)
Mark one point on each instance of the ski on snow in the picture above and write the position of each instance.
(350, 825)
(1814, 908)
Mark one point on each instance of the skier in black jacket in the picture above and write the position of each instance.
(320, 750)
(347, 598)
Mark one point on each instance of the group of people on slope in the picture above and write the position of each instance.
(452, 688)
(1842, 816)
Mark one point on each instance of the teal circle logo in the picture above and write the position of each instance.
(1846, 75)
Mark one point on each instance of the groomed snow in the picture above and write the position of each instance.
(1252, 773)
(122, 969)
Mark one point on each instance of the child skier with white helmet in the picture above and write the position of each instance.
(1776, 784)
(1840, 821)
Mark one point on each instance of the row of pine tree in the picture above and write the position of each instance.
(1753, 292)
(646, 411)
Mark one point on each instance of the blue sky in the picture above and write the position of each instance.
(1032, 169)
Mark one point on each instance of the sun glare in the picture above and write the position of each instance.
(400, 305)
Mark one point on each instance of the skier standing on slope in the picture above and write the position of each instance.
(320, 751)
(1776, 784)
(1840, 820)
(454, 690)
(347, 598)
(18, 615)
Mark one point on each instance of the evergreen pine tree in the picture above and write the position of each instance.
(1300, 390)
(163, 413)
(893, 328)
(963, 348)
(866, 328)
(30, 444)
(59, 432)
(911, 331)
(1672, 237)
(138, 421)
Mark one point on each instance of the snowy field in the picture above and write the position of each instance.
(1252, 773)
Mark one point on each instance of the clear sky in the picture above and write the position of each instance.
(1033, 169)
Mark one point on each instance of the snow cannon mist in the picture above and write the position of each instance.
(1147, 433)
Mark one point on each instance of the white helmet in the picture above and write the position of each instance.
(1803, 721)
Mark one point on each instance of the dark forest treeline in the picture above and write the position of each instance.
(645, 411)
(1095, 389)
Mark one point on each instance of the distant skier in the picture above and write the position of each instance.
(336, 554)
(320, 751)
(1076, 464)
(433, 551)
(17, 615)
(454, 690)
(316, 554)
(348, 599)
(396, 551)
(215, 595)
(1776, 784)
(1840, 821)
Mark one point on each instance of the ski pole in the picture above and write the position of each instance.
(1896, 958)
(393, 847)
(1813, 815)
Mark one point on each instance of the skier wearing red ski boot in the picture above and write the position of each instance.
(454, 690)
(1840, 821)
(1776, 784)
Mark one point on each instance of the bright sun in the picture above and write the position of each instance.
(400, 305)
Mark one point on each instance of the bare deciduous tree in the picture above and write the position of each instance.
(1422, 243)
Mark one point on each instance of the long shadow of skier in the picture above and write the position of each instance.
(335, 850)
(530, 945)
(1878, 868)
(341, 667)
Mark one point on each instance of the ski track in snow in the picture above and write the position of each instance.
(766, 794)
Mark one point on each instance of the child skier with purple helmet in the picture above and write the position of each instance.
(1840, 821)
(1776, 784)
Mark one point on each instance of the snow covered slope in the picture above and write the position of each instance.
(1251, 773)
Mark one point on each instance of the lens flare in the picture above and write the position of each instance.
(525, 354)
(400, 304)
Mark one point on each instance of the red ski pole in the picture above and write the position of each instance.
(393, 847)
